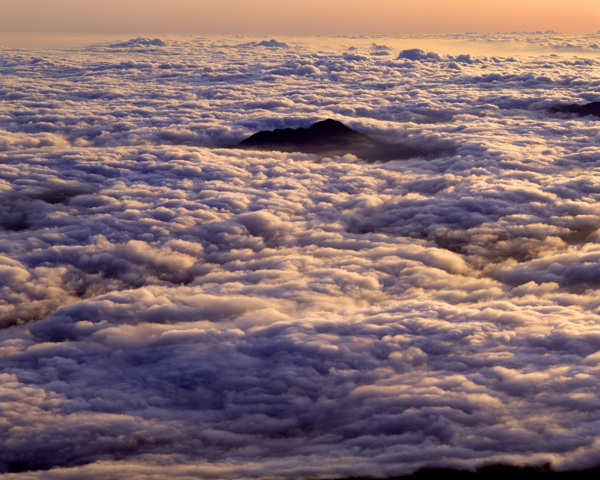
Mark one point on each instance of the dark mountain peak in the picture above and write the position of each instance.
(584, 110)
(332, 127)
(327, 138)
(324, 132)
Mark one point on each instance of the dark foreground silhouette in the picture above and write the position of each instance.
(496, 472)
(327, 138)
(490, 472)
(584, 110)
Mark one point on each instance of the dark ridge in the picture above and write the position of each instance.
(495, 472)
(327, 138)
(584, 110)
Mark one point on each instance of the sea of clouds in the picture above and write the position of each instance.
(170, 307)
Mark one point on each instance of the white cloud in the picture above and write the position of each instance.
(171, 308)
(418, 54)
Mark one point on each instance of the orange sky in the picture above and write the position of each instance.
(298, 17)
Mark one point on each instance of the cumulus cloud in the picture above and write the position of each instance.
(418, 54)
(139, 42)
(172, 308)
(271, 44)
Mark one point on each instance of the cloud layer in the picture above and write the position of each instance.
(169, 307)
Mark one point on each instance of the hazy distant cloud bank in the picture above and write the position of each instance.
(140, 42)
(172, 308)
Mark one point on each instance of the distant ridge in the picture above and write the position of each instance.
(266, 43)
(495, 472)
(584, 110)
(327, 138)
(140, 42)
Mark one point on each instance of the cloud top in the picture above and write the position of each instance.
(173, 308)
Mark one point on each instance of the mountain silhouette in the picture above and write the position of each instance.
(327, 138)
(584, 110)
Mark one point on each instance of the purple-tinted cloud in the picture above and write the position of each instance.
(172, 308)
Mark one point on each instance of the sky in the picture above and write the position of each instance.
(309, 17)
